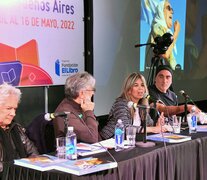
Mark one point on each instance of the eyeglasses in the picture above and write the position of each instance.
(169, 8)
(93, 89)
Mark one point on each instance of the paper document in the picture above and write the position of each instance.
(85, 149)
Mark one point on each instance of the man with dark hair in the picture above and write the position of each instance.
(166, 99)
(160, 89)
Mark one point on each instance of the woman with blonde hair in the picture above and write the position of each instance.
(134, 89)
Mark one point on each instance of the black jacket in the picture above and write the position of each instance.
(28, 145)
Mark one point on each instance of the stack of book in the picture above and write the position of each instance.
(77, 167)
(169, 137)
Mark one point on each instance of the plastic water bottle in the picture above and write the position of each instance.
(192, 121)
(119, 135)
(71, 144)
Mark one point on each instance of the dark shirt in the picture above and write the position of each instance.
(168, 99)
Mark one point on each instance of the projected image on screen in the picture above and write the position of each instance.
(162, 26)
(187, 22)
(196, 40)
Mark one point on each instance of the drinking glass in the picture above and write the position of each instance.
(131, 135)
(60, 147)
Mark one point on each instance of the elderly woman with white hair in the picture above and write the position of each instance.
(14, 143)
(79, 89)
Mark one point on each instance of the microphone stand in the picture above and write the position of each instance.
(65, 124)
(185, 108)
(145, 143)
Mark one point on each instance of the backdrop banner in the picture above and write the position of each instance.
(41, 41)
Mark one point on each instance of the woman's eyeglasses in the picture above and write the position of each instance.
(92, 89)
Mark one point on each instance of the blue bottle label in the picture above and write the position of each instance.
(119, 136)
(70, 149)
(194, 121)
(71, 146)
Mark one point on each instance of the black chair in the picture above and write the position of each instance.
(102, 120)
(41, 132)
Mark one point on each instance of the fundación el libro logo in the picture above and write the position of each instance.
(65, 67)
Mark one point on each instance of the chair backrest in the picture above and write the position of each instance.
(102, 121)
(41, 132)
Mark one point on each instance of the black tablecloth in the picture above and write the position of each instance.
(183, 161)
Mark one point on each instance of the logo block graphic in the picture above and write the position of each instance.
(10, 72)
(20, 66)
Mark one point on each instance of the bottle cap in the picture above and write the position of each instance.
(70, 128)
(193, 109)
(119, 121)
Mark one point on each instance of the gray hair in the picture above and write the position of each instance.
(6, 90)
(77, 82)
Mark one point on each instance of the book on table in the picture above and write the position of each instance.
(76, 167)
(85, 166)
(41, 162)
(169, 137)
(201, 128)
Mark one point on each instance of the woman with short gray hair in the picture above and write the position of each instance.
(79, 89)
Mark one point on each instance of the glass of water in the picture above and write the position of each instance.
(131, 135)
(176, 124)
(60, 147)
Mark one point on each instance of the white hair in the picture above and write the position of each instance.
(6, 90)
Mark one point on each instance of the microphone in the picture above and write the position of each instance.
(131, 104)
(184, 94)
(144, 107)
(157, 101)
(187, 97)
(50, 116)
(144, 103)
